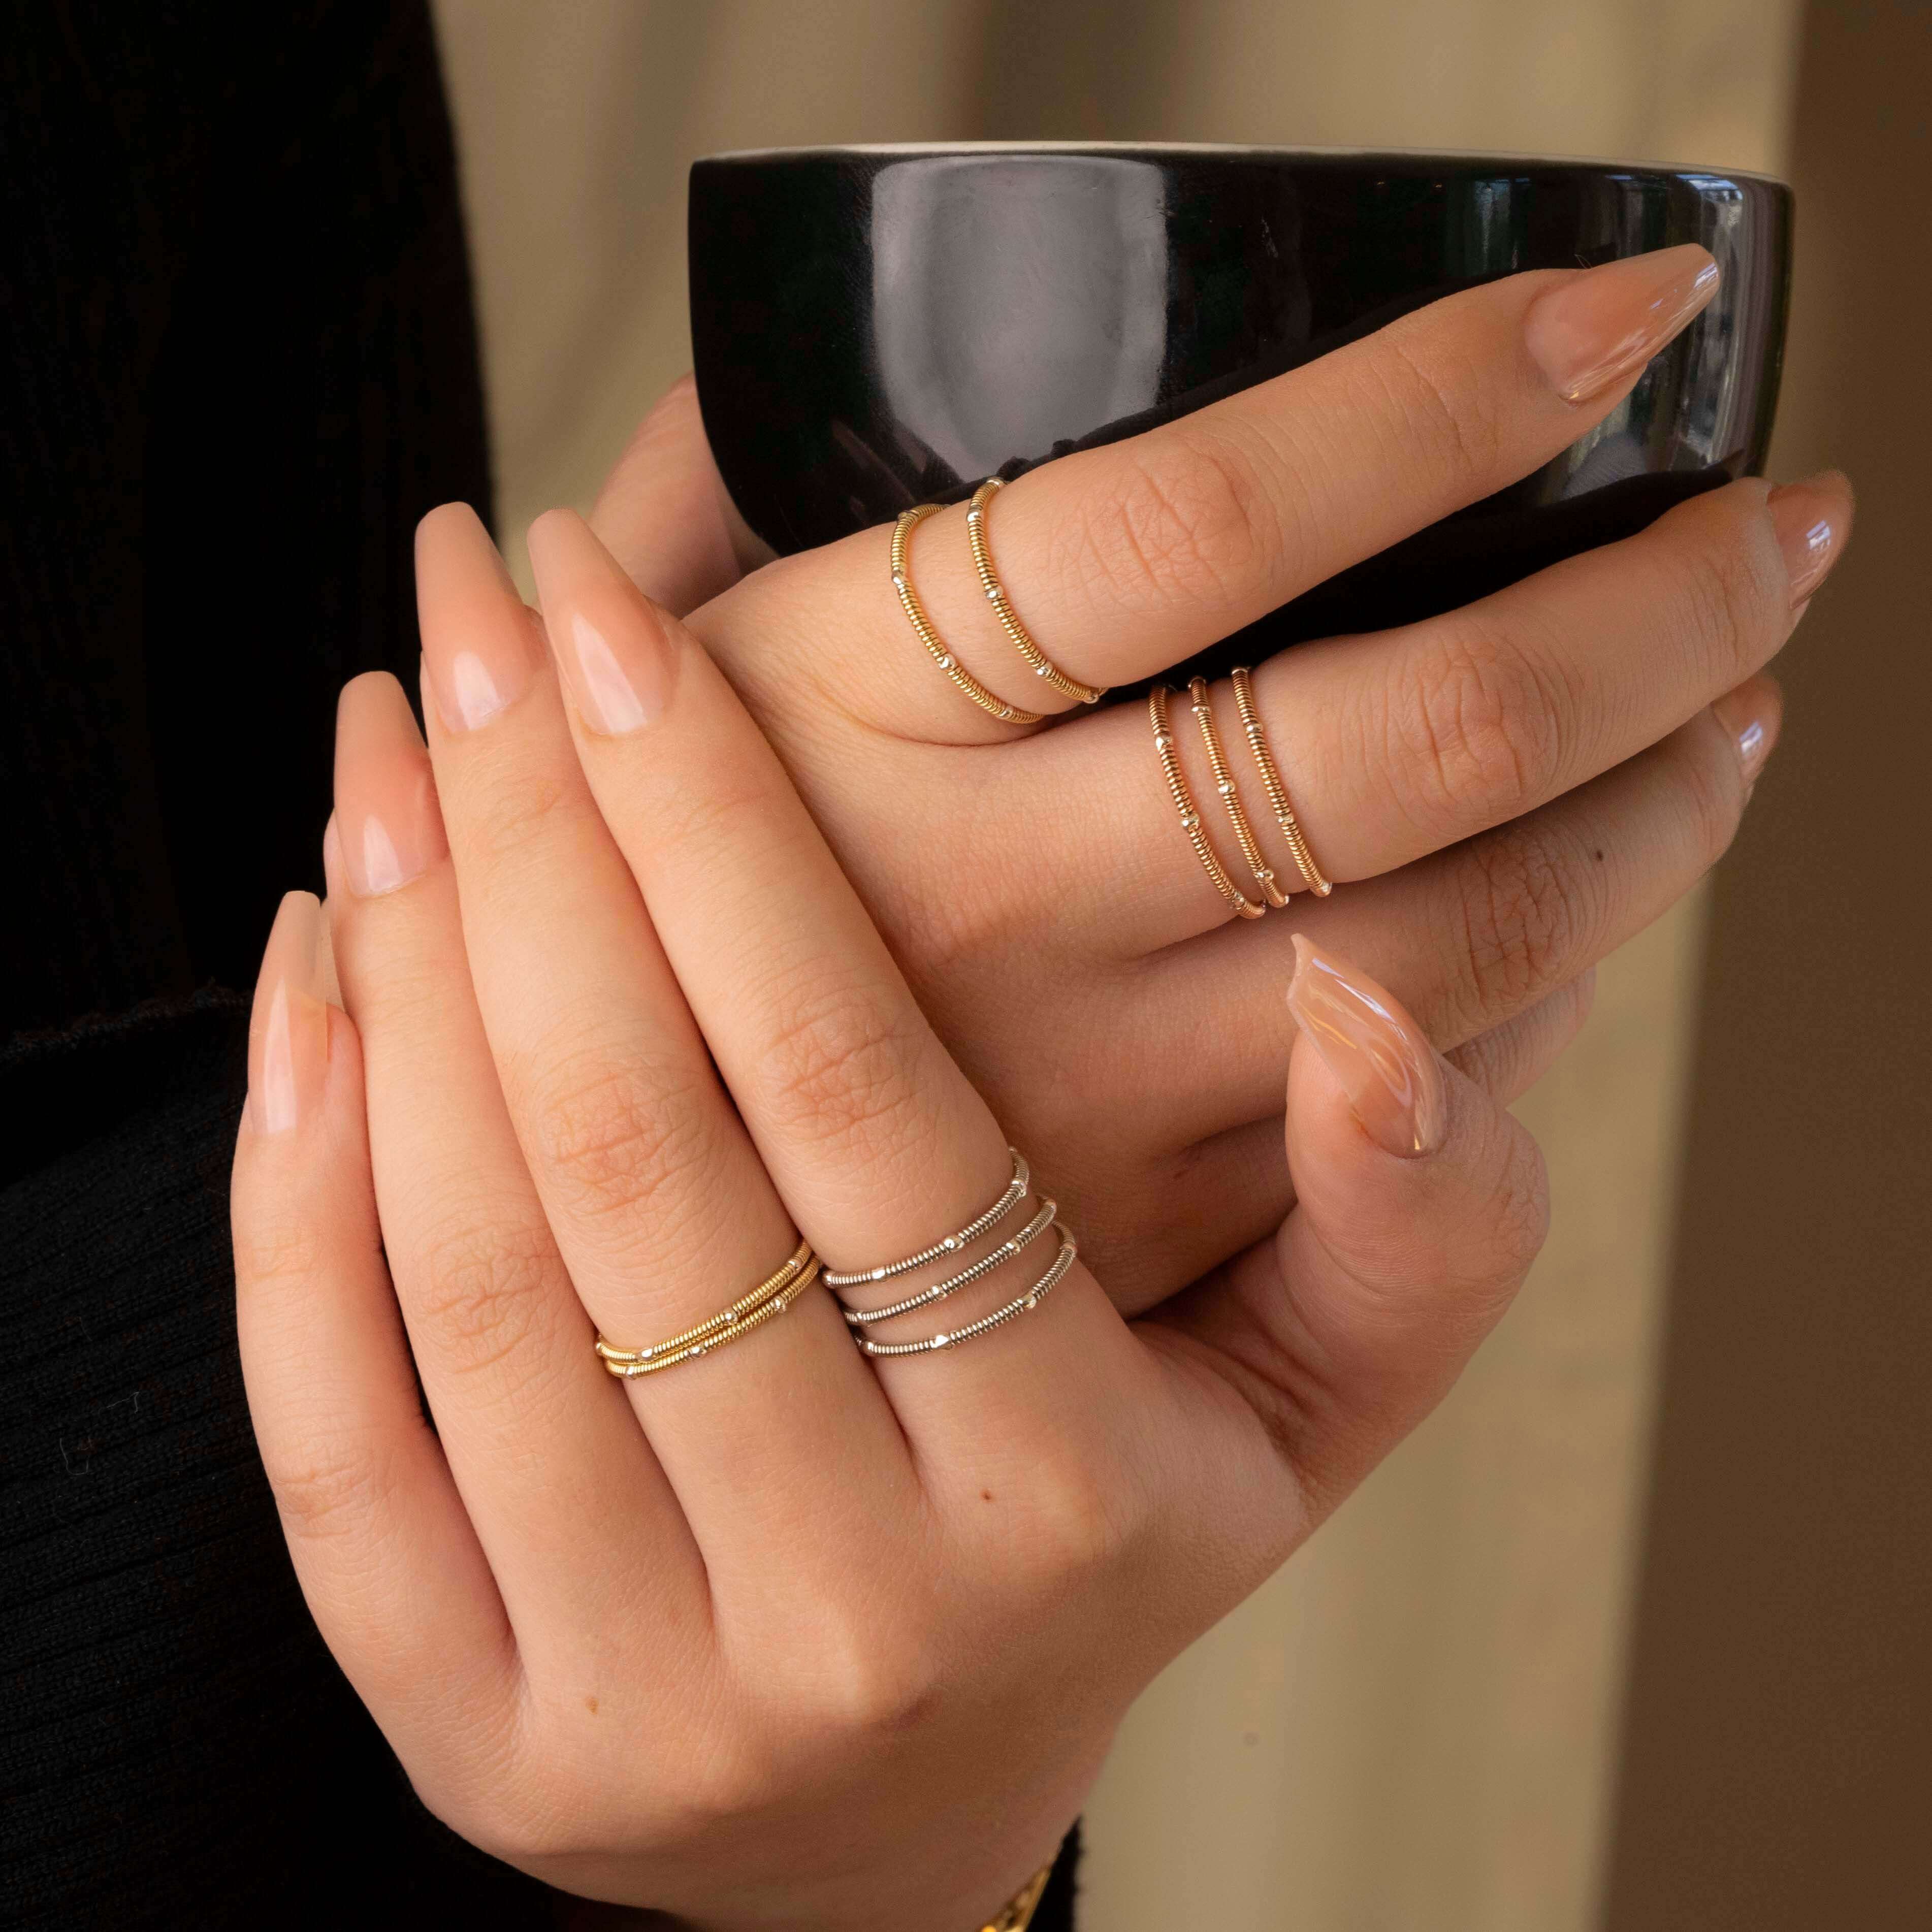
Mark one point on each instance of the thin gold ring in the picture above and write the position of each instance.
(987, 701)
(1277, 793)
(773, 1296)
(1190, 818)
(983, 561)
(1224, 783)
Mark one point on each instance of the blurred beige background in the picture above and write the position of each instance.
(1414, 1725)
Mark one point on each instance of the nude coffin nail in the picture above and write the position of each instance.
(1591, 333)
(1389, 1071)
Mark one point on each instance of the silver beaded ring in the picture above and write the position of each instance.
(1016, 1192)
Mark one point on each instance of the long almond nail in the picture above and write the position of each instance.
(1751, 716)
(388, 824)
(1810, 518)
(1387, 1068)
(609, 642)
(478, 643)
(1592, 333)
(288, 1029)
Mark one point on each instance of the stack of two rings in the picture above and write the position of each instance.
(753, 1310)
(952, 1248)
(1270, 893)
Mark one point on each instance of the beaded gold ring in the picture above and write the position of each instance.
(1042, 665)
(963, 679)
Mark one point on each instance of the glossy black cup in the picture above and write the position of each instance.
(878, 327)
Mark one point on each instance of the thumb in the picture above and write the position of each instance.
(663, 513)
(1419, 1206)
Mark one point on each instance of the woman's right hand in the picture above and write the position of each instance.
(1504, 794)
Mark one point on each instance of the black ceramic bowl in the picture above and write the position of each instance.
(876, 327)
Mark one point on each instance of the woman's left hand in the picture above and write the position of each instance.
(784, 1636)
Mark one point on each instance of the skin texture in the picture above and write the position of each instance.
(675, 939)
(1503, 795)
(781, 1636)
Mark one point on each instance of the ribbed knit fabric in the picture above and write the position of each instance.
(235, 306)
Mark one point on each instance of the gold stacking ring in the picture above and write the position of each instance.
(1190, 817)
(1016, 1915)
(773, 1296)
(1224, 783)
(1277, 793)
(1008, 714)
(1023, 643)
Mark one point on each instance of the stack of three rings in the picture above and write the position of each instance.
(1270, 893)
(952, 1247)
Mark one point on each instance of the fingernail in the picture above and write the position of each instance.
(1591, 333)
(1751, 716)
(610, 643)
(1810, 520)
(1388, 1070)
(478, 650)
(333, 877)
(288, 1028)
(388, 825)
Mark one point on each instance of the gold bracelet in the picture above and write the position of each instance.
(773, 1296)
(989, 582)
(1184, 802)
(1017, 1914)
(1277, 793)
(1009, 714)
(1224, 783)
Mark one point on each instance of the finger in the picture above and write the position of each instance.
(1506, 1062)
(1232, 1190)
(1421, 1204)
(1396, 745)
(576, 1516)
(389, 1563)
(870, 1130)
(1122, 560)
(655, 1193)
(664, 512)
(1471, 936)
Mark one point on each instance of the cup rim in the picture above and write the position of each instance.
(1457, 157)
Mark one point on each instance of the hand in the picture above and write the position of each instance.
(784, 1636)
(1505, 794)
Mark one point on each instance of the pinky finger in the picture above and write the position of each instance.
(388, 1563)
(1509, 1060)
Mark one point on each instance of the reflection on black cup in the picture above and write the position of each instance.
(876, 327)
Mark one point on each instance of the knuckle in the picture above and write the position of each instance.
(1187, 521)
(505, 821)
(1714, 795)
(1448, 411)
(842, 1070)
(1473, 732)
(1521, 924)
(1078, 1528)
(482, 1289)
(868, 1683)
(277, 1252)
(1727, 603)
(324, 1496)
(614, 1136)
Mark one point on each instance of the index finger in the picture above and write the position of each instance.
(1122, 560)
